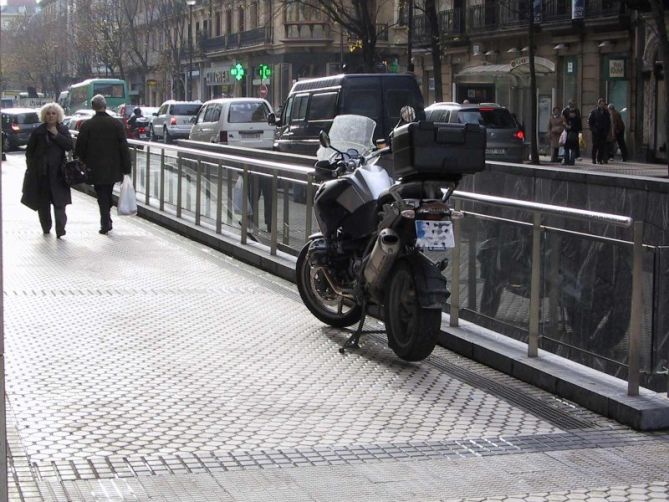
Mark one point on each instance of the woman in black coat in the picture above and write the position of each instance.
(44, 184)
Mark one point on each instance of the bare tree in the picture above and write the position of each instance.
(171, 23)
(430, 11)
(357, 17)
(27, 58)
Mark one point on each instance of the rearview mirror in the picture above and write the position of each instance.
(324, 139)
(272, 120)
(408, 113)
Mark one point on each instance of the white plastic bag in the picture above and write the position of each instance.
(237, 197)
(127, 202)
(563, 138)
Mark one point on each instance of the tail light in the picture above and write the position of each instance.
(15, 128)
(173, 121)
(519, 134)
(140, 130)
(78, 124)
(223, 137)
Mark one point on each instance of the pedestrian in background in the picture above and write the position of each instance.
(618, 126)
(572, 124)
(44, 184)
(555, 128)
(103, 147)
(599, 121)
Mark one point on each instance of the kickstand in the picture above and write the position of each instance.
(352, 342)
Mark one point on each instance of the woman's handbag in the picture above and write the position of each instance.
(75, 172)
(127, 201)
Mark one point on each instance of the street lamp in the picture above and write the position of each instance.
(189, 89)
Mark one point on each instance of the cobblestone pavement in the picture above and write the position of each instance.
(143, 367)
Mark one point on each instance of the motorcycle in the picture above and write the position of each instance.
(140, 129)
(375, 231)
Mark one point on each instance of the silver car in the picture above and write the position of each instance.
(505, 138)
(173, 120)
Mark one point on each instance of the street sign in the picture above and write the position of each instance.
(263, 91)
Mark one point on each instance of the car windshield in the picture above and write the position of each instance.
(248, 112)
(27, 118)
(492, 118)
(186, 109)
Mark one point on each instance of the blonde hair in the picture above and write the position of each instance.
(51, 106)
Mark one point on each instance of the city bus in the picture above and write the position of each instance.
(80, 95)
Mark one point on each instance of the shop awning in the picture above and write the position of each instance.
(517, 67)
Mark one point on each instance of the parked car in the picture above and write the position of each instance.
(81, 116)
(312, 104)
(18, 124)
(505, 137)
(234, 121)
(174, 120)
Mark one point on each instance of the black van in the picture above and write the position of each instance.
(313, 104)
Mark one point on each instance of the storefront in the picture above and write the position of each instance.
(508, 84)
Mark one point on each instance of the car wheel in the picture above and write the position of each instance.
(152, 134)
(6, 145)
(166, 136)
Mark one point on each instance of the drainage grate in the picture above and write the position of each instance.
(513, 396)
(210, 462)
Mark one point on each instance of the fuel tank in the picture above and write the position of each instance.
(349, 202)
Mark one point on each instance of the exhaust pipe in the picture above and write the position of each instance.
(382, 257)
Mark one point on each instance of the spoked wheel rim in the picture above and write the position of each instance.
(331, 302)
(320, 296)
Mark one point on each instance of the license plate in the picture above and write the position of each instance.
(434, 235)
(143, 136)
(250, 134)
(495, 151)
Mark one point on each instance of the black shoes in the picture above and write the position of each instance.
(105, 229)
(60, 234)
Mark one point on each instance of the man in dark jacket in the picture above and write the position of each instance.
(600, 127)
(103, 147)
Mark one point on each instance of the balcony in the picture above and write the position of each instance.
(249, 38)
(515, 15)
(451, 23)
(299, 31)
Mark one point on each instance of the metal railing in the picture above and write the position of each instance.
(220, 191)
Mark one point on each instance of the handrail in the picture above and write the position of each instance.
(278, 167)
(569, 212)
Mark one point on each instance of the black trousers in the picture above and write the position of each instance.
(599, 148)
(262, 185)
(104, 193)
(44, 212)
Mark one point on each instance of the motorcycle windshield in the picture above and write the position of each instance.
(349, 131)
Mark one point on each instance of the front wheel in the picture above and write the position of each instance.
(319, 297)
(412, 330)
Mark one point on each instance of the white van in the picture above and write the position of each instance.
(235, 122)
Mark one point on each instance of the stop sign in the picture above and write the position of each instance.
(263, 90)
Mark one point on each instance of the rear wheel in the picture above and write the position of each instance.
(319, 297)
(166, 136)
(412, 330)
